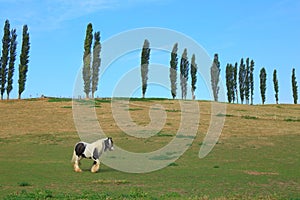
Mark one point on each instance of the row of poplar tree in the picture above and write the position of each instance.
(185, 67)
(8, 58)
(92, 61)
(244, 76)
(239, 79)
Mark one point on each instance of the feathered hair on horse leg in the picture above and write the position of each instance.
(76, 168)
(76, 161)
(95, 167)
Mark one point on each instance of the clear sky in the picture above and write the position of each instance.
(265, 31)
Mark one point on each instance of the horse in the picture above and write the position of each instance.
(91, 151)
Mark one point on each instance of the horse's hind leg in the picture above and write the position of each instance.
(95, 166)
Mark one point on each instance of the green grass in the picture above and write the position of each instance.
(173, 110)
(249, 117)
(66, 106)
(291, 120)
(24, 184)
(224, 115)
(45, 166)
(133, 109)
(103, 100)
(161, 134)
(223, 173)
(54, 99)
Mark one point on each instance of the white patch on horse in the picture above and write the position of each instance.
(91, 151)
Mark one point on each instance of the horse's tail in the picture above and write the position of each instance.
(73, 157)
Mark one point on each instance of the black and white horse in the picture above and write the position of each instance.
(91, 151)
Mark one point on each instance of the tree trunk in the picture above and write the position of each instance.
(19, 97)
(193, 94)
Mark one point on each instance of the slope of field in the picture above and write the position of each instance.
(256, 157)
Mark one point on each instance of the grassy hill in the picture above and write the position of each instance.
(256, 157)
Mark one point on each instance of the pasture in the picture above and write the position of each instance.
(256, 157)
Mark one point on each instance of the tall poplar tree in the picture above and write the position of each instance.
(96, 62)
(276, 87)
(263, 84)
(242, 78)
(12, 59)
(24, 60)
(235, 86)
(86, 71)
(230, 82)
(247, 81)
(173, 70)
(294, 86)
(184, 72)
(251, 81)
(215, 76)
(145, 65)
(4, 57)
(194, 69)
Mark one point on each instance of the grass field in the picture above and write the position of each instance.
(256, 157)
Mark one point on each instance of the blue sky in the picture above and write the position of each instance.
(265, 31)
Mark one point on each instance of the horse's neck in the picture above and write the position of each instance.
(99, 145)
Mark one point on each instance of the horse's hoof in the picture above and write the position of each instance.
(95, 168)
(77, 169)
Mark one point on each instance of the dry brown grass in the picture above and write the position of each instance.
(19, 117)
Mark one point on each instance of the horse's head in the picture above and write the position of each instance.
(109, 144)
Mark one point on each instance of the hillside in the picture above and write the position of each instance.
(256, 156)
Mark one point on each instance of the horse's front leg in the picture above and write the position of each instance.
(95, 166)
(76, 164)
